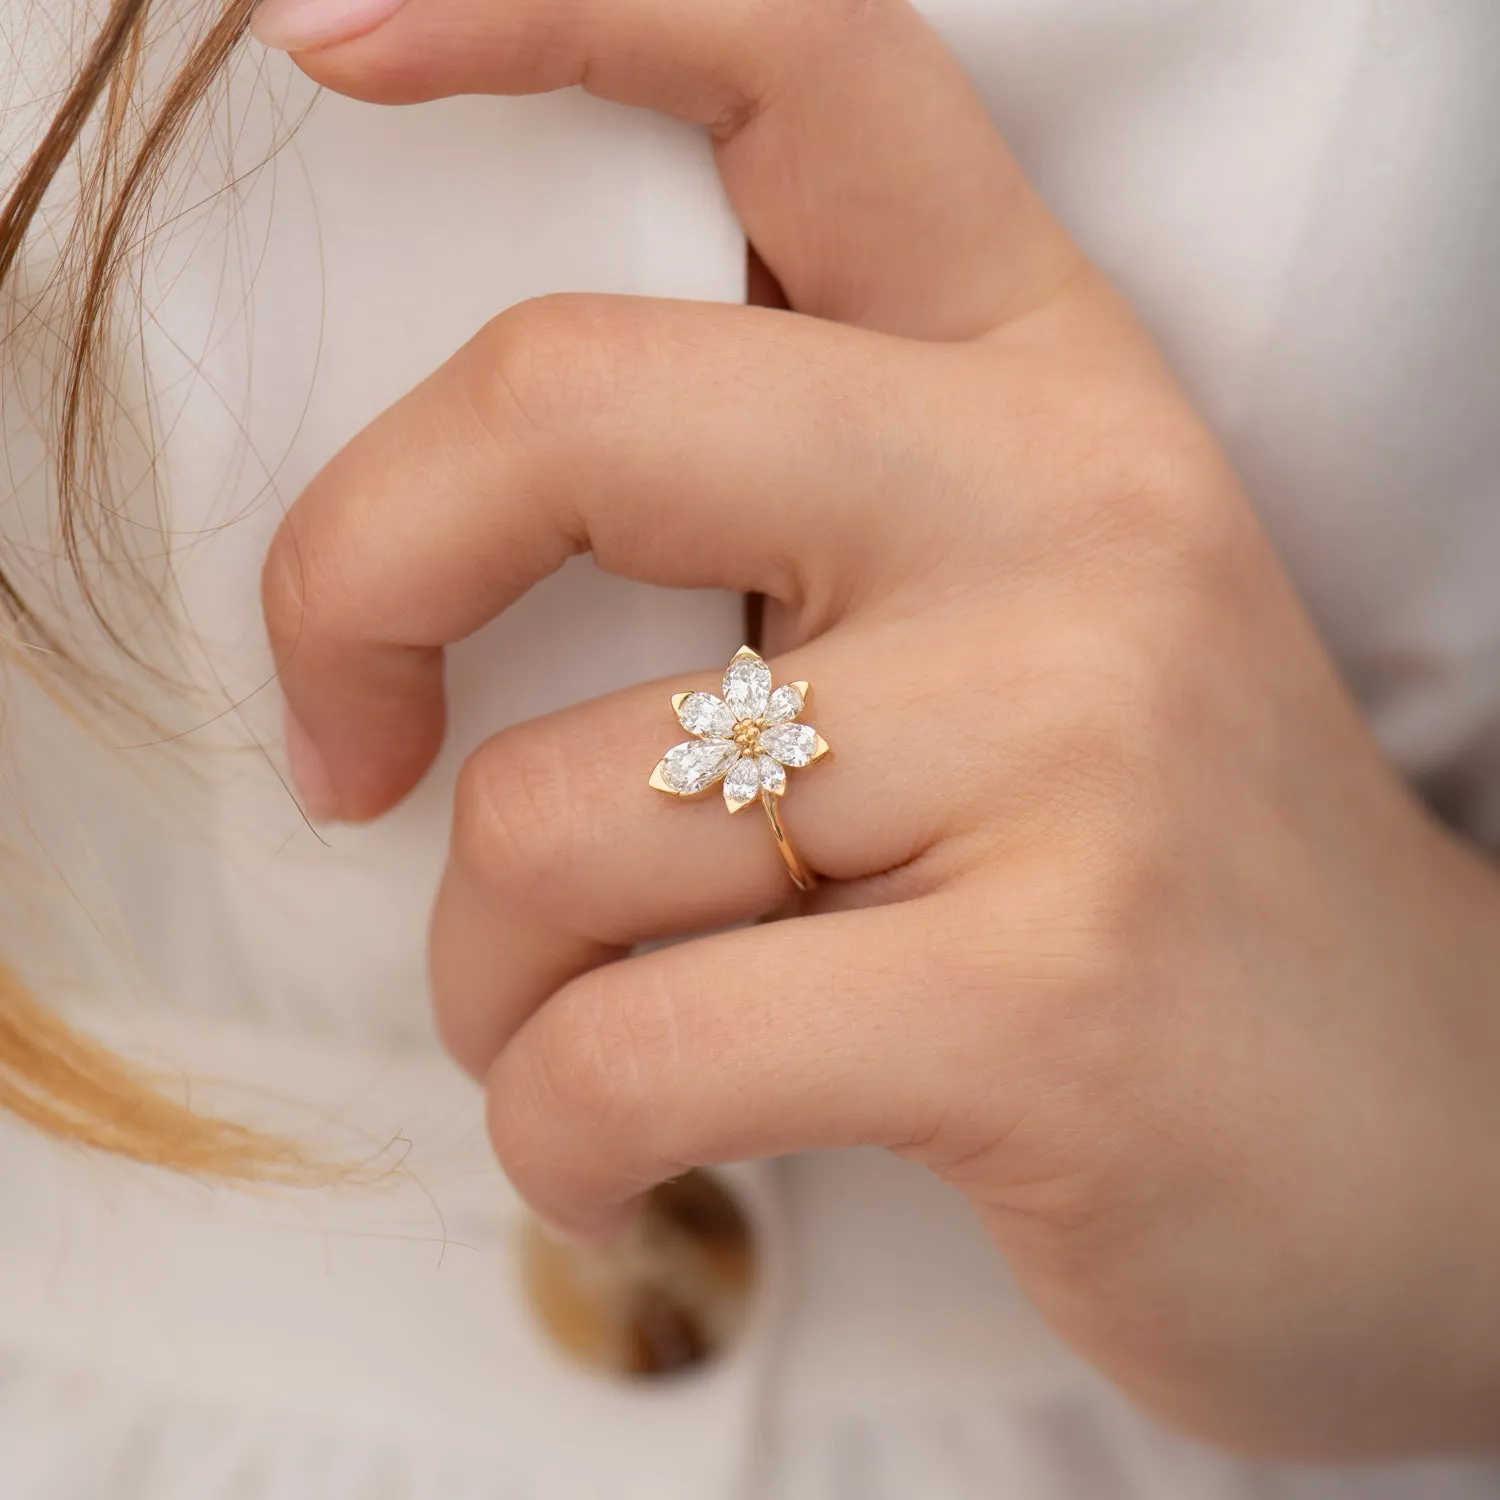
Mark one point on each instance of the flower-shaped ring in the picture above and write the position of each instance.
(748, 738)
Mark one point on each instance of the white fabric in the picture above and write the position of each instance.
(1304, 203)
(322, 1336)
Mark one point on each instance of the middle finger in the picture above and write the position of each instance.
(563, 857)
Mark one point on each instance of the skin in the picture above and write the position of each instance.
(1130, 933)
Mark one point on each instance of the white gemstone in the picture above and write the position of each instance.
(708, 717)
(772, 775)
(747, 686)
(690, 767)
(785, 705)
(742, 784)
(791, 744)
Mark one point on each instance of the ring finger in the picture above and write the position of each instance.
(562, 856)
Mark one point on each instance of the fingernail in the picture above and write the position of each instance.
(309, 773)
(301, 25)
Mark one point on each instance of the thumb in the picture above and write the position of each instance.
(862, 165)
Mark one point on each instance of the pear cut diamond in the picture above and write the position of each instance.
(742, 784)
(784, 705)
(772, 775)
(708, 717)
(791, 744)
(696, 764)
(747, 686)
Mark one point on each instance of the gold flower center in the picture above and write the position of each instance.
(747, 736)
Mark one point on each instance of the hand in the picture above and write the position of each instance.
(1130, 933)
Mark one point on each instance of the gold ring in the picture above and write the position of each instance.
(748, 739)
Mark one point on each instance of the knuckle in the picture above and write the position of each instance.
(1125, 477)
(1122, 856)
(1165, 501)
(514, 813)
(306, 582)
(548, 365)
(1089, 718)
(468, 1040)
(523, 1112)
(595, 1065)
(284, 592)
(1098, 809)
(320, 578)
(1078, 920)
(808, 32)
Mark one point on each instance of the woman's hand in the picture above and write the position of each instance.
(1130, 933)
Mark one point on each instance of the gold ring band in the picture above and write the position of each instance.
(802, 877)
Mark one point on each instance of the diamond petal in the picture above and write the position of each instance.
(784, 705)
(696, 764)
(747, 685)
(742, 784)
(708, 717)
(772, 775)
(791, 744)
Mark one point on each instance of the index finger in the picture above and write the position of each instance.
(859, 160)
(630, 428)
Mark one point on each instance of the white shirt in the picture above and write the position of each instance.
(1303, 203)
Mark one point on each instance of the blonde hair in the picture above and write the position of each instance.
(120, 143)
(69, 1086)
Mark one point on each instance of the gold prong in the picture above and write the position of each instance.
(678, 699)
(743, 652)
(821, 749)
(804, 688)
(735, 806)
(659, 781)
